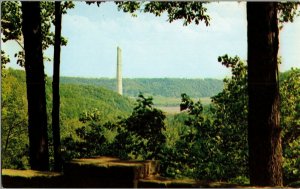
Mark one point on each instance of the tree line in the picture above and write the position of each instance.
(167, 87)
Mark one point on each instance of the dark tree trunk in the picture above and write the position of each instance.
(35, 81)
(265, 152)
(55, 88)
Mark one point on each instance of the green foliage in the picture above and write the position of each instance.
(14, 139)
(287, 11)
(78, 98)
(93, 138)
(195, 152)
(213, 145)
(143, 129)
(11, 20)
(195, 12)
(140, 136)
(230, 109)
(290, 123)
(11, 24)
(189, 12)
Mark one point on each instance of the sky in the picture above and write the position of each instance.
(154, 48)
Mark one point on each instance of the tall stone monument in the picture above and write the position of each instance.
(119, 71)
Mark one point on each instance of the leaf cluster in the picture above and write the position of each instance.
(290, 123)
(4, 60)
(189, 12)
(287, 11)
(144, 128)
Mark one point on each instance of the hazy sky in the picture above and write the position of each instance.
(153, 47)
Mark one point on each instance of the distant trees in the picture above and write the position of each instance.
(14, 121)
(167, 87)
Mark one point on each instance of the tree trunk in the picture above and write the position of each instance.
(55, 89)
(35, 81)
(265, 152)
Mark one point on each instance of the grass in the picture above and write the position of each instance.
(28, 173)
(169, 110)
(185, 183)
(107, 162)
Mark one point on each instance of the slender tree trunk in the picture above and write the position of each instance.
(35, 81)
(55, 88)
(265, 152)
(7, 139)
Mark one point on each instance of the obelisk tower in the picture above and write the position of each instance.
(119, 71)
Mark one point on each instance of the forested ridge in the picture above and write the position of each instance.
(166, 87)
(76, 98)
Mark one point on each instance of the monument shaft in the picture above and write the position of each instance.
(119, 71)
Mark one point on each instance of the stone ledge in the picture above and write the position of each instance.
(99, 172)
(108, 172)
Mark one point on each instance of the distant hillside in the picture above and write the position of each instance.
(78, 98)
(166, 87)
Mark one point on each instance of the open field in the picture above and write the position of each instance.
(169, 109)
(171, 105)
(173, 101)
